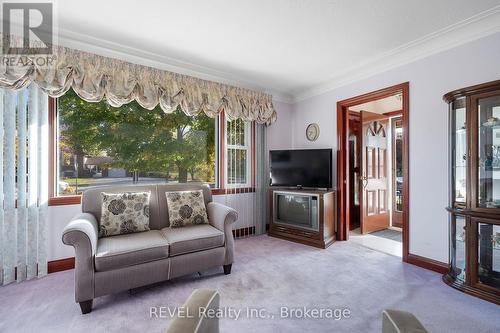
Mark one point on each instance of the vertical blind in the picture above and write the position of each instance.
(260, 206)
(24, 181)
(23, 184)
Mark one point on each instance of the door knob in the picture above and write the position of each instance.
(364, 180)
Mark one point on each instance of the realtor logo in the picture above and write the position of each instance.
(27, 28)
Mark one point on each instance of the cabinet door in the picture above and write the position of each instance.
(485, 254)
(458, 236)
(459, 153)
(485, 167)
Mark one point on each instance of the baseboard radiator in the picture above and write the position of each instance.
(244, 232)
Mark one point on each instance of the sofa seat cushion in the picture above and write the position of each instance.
(130, 249)
(193, 238)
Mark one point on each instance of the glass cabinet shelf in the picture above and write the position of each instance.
(474, 203)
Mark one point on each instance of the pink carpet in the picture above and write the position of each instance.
(268, 274)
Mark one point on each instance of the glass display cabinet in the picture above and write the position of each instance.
(474, 207)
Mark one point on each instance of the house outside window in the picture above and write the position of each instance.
(98, 144)
(95, 144)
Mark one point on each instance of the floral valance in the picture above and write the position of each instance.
(95, 77)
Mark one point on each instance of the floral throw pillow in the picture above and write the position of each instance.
(124, 213)
(186, 207)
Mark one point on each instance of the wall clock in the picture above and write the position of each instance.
(312, 132)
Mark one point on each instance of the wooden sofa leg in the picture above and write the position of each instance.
(86, 306)
(227, 269)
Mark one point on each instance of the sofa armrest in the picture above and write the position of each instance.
(222, 217)
(82, 234)
(197, 305)
(82, 230)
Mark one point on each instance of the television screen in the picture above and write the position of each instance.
(301, 168)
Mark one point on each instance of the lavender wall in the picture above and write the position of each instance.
(429, 78)
(280, 134)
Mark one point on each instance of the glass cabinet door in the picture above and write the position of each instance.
(488, 150)
(459, 152)
(457, 246)
(488, 255)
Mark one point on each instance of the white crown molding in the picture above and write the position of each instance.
(475, 27)
(280, 96)
(111, 49)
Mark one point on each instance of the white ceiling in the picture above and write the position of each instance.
(292, 48)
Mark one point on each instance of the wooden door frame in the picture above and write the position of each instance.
(343, 157)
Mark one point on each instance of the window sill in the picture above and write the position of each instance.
(77, 199)
(67, 200)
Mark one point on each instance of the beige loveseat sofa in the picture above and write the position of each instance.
(112, 264)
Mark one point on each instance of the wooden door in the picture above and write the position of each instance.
(374, 182)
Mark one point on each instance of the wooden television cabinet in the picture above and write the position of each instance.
(319, 206)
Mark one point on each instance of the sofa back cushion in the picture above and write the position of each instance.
(92, 201)
(158, 210)
(186, 208)
(124, 213)
(162, 197)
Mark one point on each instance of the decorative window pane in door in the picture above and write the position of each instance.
(382, 197)
(488, 261)
(371, 203)
(382, 163)
(370, 162)
(489, 152)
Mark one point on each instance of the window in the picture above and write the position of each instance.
(95, 144)
(98, 144)
(237, 161)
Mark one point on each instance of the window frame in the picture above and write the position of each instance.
(220, 160)
(247, 148)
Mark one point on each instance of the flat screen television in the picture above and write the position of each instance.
(301, 168)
